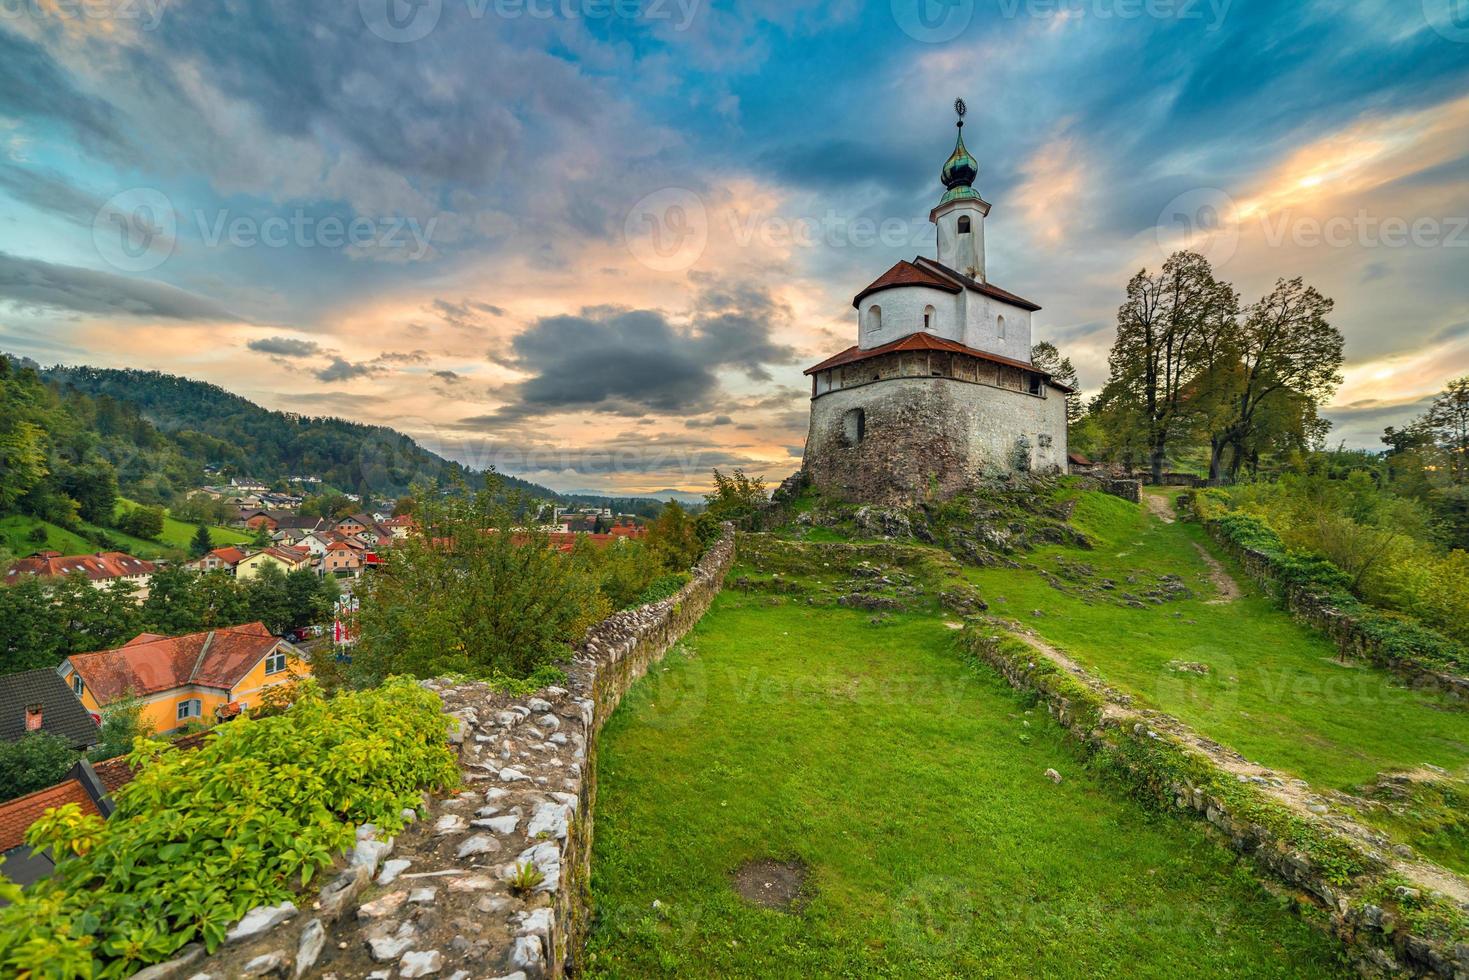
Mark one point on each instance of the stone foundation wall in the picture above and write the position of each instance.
(440, 899)
(926, 435)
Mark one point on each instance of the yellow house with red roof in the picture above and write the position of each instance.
(180, 679)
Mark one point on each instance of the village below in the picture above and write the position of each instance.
(1164, 649)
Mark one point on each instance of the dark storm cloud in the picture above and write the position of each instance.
(628, 362)
(342, 370)
(285, 347)
(46, 285)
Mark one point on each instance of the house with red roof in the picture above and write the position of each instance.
(180, 679)
(101, 569)
(218, 560)
(286, 559)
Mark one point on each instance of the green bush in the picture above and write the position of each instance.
(199, 838)
(473, 595)
(663, 587)
(33, 762)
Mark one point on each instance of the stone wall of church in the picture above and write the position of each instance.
(899, 439)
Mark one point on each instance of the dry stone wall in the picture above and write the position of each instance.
(442, 899)
(1344, 629)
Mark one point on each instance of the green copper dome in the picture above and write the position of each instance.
(959, 171)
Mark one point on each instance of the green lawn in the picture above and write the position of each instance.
(15, 537)
(912, 785)
(1276, 691)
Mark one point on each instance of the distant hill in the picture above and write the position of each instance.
(162, 432)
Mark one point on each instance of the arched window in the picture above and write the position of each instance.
(1000, 327)
(874, 319)
(964, 224)
(930, 318)
(854, 427)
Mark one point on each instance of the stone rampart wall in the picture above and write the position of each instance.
(442, 899)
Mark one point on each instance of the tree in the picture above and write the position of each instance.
(472, 594)
(203, 543)
(122, 721)
(22, 462)
(1155, 361)
(143, 522)
(672, 538)
(1448, 419)
(30, 627)
(174, 605)
(33, 762)
(266, 597)
(91, 618)
(1285, 345)
(93, 485)
(220, 600)
(262, 538)
(1047, 358)
(404, 507)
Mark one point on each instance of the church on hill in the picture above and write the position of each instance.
(939, 389)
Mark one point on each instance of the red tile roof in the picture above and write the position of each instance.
(988, 289)
(217, 659)
(17, 815)
(98, 567)
(907, 274)
(230, 556)
(926, 272)
(924, 342)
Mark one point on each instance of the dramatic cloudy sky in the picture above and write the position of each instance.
(594, 242)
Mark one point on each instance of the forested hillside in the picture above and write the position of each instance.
(73, 440)
(212, 426)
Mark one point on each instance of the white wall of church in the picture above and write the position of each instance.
(982, 329)
(902, 314)
(967, 318)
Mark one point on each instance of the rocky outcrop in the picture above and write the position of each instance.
(491, 881)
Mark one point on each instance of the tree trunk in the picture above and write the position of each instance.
(1156, 459)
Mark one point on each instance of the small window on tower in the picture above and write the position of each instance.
(964, 224)
(854, 427)
(930, 318)
(874, 319)
(1000, 327)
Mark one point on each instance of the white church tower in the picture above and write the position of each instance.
(939, 389)
(961, 211)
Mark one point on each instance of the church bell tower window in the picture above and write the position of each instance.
(964, 224)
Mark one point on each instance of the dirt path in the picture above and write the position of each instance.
(1159, 506)
(1224, 583)
(1294, 793)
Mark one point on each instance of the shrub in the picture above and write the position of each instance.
(662, 588)
(199, 838)
(472, 595)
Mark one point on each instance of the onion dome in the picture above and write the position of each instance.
(961, 169)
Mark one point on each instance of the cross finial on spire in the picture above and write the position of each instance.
(961, 109)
